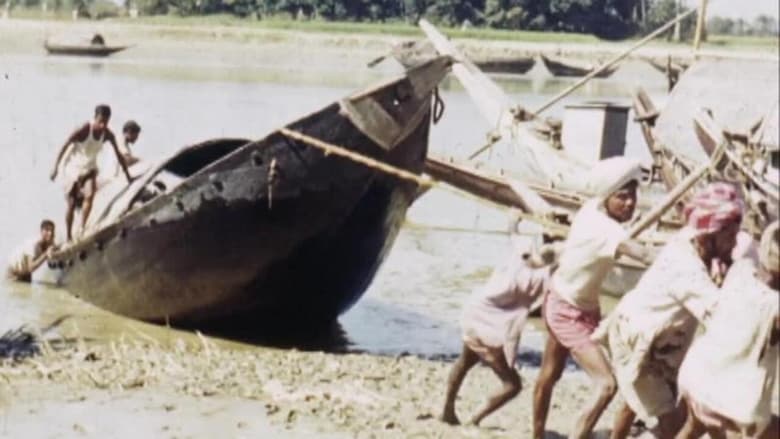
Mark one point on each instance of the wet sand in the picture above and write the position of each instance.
(192, 386)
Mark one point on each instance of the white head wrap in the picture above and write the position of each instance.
(768, 251)
(609, 175)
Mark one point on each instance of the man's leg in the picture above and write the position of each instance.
(623, 419)
(716, 433)
(771, 430)
(69, 215)
(510, 387)
(86, 207)
(465, 362)
(592, 360)
(670, 423)
(692, 429)
(553, 361)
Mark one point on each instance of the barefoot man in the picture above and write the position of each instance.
(571, 308)
(650, 330)
(79, 164)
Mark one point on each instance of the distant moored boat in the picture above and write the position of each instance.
(570, 68)
(94, 47)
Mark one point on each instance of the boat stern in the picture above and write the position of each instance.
(387, 113)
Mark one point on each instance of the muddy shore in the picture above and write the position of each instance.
(167, 388)
(178, 384)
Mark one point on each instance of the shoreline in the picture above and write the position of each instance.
(238, 32)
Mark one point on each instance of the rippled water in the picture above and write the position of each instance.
(200, 93)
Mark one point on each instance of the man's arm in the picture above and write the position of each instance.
(120, 158)
(635, 250)
(78, 133)
(38, 261)
(514, 221)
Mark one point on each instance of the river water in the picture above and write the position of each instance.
(447, 249)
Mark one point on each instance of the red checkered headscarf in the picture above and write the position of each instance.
(714, 208)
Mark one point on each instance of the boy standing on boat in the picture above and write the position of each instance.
(32, 255)
(492, 321)
(79, 164)
(130, 132)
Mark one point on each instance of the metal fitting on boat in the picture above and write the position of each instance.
(257, 158)
(273, 175)
(218, 186)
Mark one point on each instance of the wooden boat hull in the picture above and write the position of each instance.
(82, 50)
(270, 230)
(666, 65)
(514, 66)
(567, 69)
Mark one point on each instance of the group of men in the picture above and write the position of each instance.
(693, 346)
(77, 166)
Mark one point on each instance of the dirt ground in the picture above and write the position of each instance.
(199, 387)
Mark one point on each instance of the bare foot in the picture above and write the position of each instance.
(449, 418)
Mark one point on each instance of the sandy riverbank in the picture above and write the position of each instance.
(194, 386)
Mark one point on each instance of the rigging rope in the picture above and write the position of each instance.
(424, 180)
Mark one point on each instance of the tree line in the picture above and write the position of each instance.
(609, 19)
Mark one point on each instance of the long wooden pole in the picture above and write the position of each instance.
(424, 181)
(671, 198)
(700, 25)
(612, 62)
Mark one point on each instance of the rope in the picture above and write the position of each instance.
(402, 174)
(492, 138)
(438, 106)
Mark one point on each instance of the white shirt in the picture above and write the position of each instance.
(81, 157)
(673, 294)
(588, 256)
(731, 367)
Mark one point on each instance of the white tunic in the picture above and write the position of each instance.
(588, 256)
(731, 367)
(81, 157)
(495, 314)
(652, 326)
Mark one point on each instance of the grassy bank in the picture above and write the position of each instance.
(399, 29)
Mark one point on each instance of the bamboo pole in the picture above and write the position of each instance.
(700, 25)
(612, 62)
(718, 161)
(676, 35)
(424, 181)
(671, 198)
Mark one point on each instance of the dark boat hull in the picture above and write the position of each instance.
(82, 50)
(514, 66)
(564, 69)
(272, 230)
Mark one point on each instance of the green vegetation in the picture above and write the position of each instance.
(403, 26)
(608, 19)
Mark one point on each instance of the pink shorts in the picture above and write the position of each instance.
(570, 325)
